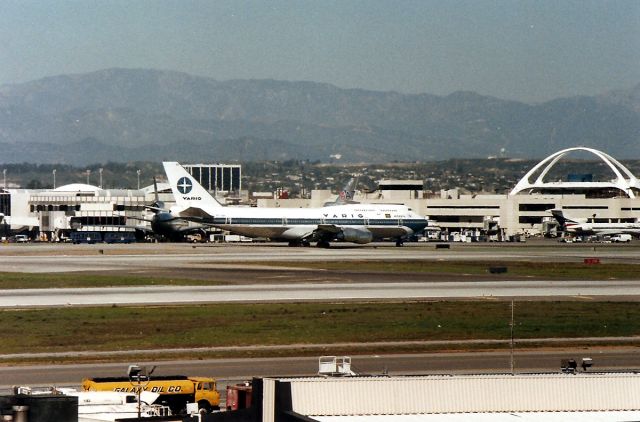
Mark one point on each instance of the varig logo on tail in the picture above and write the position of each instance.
(184, 185)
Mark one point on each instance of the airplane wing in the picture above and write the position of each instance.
(328, 232)
(328, 228)
(129, 217)
(358, 234)
(151, 207)
(608, 232)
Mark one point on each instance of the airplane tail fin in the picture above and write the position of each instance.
(187, 191)
(155, 189)
(561, 218)
(346, 195)
(157, 205)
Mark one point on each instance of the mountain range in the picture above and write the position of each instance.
(150, 115)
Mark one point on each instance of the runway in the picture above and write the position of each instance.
(249, 281)
(162, 295)
(239, 266)
(150, 258)
(233, 370)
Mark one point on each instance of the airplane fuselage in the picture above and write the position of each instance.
(603, 228)
(350, 222)
(381, 221)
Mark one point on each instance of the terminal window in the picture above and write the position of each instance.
(536, 207)
(5, 203)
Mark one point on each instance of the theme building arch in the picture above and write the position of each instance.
(625, 181)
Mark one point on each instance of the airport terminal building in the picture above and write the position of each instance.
(522, 212)
(86, 209)
(525, 210)
(86, 213)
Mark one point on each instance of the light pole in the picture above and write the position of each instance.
(100, 171)
(54, 178)
(138, 171)
(4, 177)
(512, 327)
(88, 174)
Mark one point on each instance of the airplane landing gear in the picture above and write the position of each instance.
(323, 244)
(399, 243)
(297, 243)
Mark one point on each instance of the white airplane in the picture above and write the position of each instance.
(18, 223)
(580, 226)
(356, 223)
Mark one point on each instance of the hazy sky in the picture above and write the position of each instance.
(525, 50)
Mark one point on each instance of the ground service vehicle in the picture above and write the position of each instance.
(85, 237)
(119, 237)
(175, 390)
(239, 396)
(621, 238)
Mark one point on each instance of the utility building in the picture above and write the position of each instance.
(491, 397)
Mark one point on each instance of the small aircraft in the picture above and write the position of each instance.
(581, 226)
(356, 223)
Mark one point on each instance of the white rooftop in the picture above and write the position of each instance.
(584, 396)
(609, 416)
(77, 187)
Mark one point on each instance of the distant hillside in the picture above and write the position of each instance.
(124, 115)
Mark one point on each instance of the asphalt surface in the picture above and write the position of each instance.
(228, 262)
(188, 260)
(260, 283)
(236, 370)
(162, 295)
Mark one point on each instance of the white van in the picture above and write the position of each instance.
(621, 238)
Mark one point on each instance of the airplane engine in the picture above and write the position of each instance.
(360, 236)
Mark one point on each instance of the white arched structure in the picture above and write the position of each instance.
(624, 181)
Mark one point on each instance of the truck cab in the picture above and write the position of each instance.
(206, 394)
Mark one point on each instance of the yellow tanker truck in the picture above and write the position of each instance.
(175, 390)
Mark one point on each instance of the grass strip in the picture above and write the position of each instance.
(132, 328)
(540, 270)
(81, 280)
(547, 270)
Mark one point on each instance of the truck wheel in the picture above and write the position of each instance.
(204, 407)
